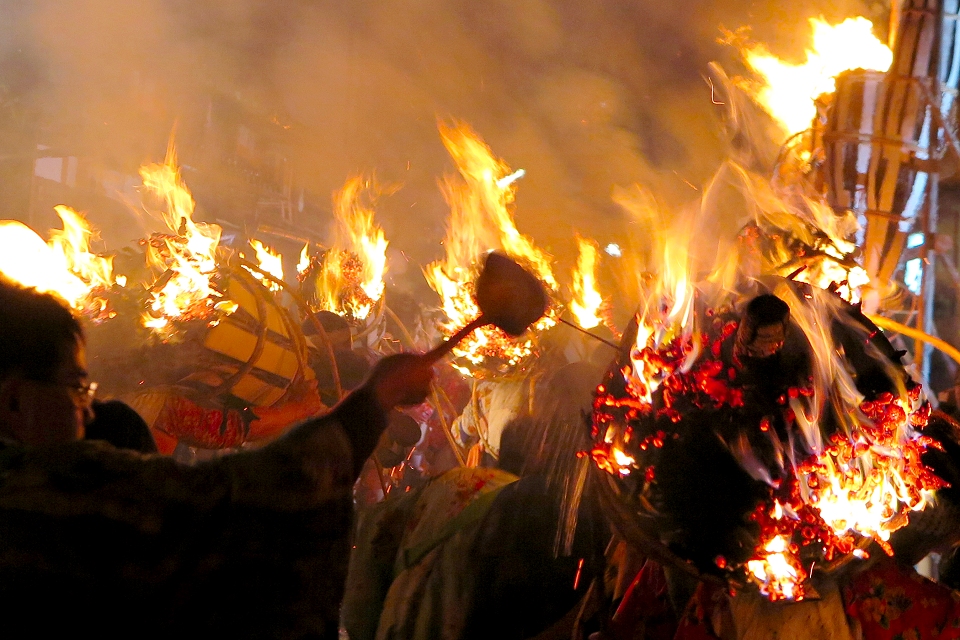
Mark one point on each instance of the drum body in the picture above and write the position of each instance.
(254, 354)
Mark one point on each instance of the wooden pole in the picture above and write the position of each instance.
(925, 319)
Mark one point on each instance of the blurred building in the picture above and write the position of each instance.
(235, 157)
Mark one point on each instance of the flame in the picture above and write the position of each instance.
(351, 279)
(775, 567)
(866, 482)
(836, 270)
(612, 459)
(863, 480)
(64, 265)
(832, 264)
(587, 300)
(186, 259)
(666, 314)
(73, 242)
(270, 262)
(481, 221)
(788, 90)
(795, 232)
(304, 263)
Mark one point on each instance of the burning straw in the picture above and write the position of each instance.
(481, 220)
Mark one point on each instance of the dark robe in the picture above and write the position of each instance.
(113, 543)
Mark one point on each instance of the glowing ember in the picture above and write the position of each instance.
(612, 459)
(861, 486)
(788, 90)
(64, 265)
(270, 262)
(775, 568)
(481, 221)
(186, 260)
(587, 300)
(351, 279)
(864, 483)
(843, 470)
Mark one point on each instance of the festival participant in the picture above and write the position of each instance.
(45, 397)
(119, 424)
(474, 554)
(118, 544)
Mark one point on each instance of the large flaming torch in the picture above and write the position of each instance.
(481, 221)
(349, 280)
(186, 258)
(808, 399)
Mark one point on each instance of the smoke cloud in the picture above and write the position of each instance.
(584, 96)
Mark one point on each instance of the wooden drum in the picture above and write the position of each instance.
(254, 354)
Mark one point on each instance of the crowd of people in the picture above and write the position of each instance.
(101, 533)
(118, 539)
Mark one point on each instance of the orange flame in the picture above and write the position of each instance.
(351, 280)
(788, 90)
(775, 567)
(186, 259)
(269, 261)
(304, 263)
(64, 265)
(800, 231)
(667, 302)
(481, 221)
(587, 300)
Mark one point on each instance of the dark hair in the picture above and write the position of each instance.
(120, 425)
(328, 320)
(37, 332)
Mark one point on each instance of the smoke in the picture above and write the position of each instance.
(584, 96)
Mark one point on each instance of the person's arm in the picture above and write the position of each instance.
(400, 379)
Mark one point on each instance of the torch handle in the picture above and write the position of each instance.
(447, 345)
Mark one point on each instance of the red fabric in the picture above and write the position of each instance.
(646, 602)
(695, 623)
(894, 603)
(197, 426)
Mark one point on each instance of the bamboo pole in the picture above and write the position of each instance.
(916, 334)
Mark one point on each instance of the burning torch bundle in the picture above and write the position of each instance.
(204, 337)
(481, 221)
(348, 278)
(763, 436)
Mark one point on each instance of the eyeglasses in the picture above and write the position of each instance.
(81, 394)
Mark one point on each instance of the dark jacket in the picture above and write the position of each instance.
(252, 545)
